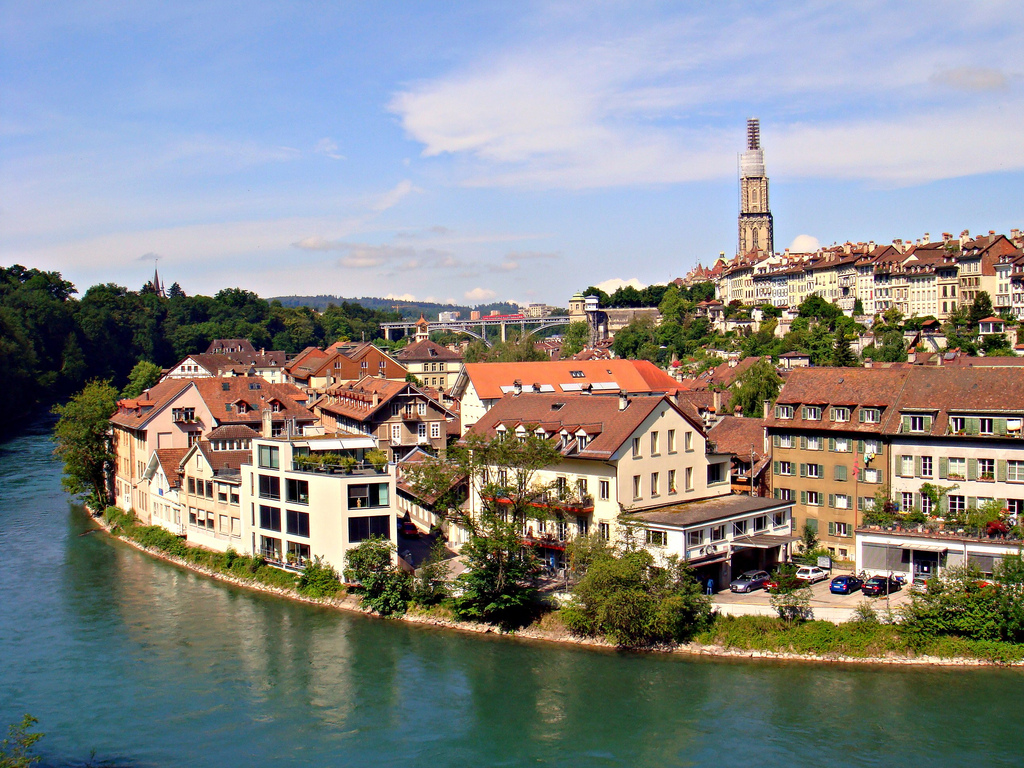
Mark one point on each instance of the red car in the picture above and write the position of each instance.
(408, 528)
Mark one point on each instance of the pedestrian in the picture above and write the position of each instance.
(711, 586)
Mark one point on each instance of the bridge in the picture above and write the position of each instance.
(478, 328)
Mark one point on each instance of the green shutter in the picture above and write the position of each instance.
(777, 493)
(1001, 470)
(917, 501)
(861, 416)
(943, 504)
(860, 446)
(832, 444)
(812, 524)
(803, 497)
(927, 423)
(973, 425)
(803, 442)
(972, 469)
(943, 467)
(917, 466)
(906, 424)
(776, 441)
(999, 426)
(831, 499)
(831, 529)
(840, 472)
(778, 412)
(1002, 503)
(803, 413)
(972, 502)
(860, 475)
(775, 467)
(803, 470)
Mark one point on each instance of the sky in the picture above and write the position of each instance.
(467, 152)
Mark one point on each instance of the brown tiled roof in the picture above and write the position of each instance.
(739, 436)
(356, 397)
(426, 351)
(224, 462)
(634, 376)
(170, 460)
(852, 387)
(133, 413)
(597, 414)
(217, 393)
(233, 432)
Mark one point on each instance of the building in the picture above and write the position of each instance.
(314, 496)
(480, 385)
(316, 370)
(743, 439)
(620, 453)
(916, 552)
(399, 415)
(211, 486)
(756, 228)
(433, 365)
(231, 357)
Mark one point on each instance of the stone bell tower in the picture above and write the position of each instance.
(755, 220)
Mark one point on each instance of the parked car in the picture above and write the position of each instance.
(811, 573)
(749, 581)
(880, 585)
(408, 528)
(845, 585)
(919, 584)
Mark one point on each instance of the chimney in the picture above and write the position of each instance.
(517, 387)
(717, 400)
(965, 236)
(766, 407)
(536, 387)
(376, 399)
(267, 423)
(623, 400)
(927, 238)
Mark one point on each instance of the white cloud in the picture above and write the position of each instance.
(480, 294)
(610, 286)
(392, 197)
(329, 148)
(804, 244)
(514, 259)
(402, 297)
(972, 79)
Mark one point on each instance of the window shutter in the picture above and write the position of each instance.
(917, 501)
(861, 417)
(803, 413)
(917, 466)
(943, 467)
(841, 472)
(803, 497)
(860, 475)
(944, 504)
(832, 444)
(831, 503)
(803, 442)
(927, 423)
(1001, 470)
(972, 502)
(776, 441)
(803, 470)
(831, 529)
(832, 414)
(1002, 503)
(778, 412)
(860, 446)
(775, 467)
(972, 469)
(906, 424)
(812, 523)
(777, 493)
(973, 425)
(999, 425)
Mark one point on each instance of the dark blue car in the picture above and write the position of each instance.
(845, 585)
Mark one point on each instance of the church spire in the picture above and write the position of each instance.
(756, 227)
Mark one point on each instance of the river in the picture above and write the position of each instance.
(140, 663)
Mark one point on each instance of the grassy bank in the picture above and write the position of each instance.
(855, 639)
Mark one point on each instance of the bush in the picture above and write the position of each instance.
(16, 749)
(430, 587)
(319, 579)
(384, 587)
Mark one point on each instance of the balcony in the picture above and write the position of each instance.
(314, 465)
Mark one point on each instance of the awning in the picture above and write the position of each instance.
(923, 547)
(719, 557)
(764, 540)
(345, 443)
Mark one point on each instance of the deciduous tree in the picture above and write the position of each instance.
(82, 435)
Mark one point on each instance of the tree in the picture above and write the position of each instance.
(791, 597)
(16, 749)
(758, 383)
(635, 339)
(82, 435)
(384, 587)
(858, 307)
(633, 603)
(808, 538)
(981, 308)
(575, 338)
(430, 586)
(143, 376)
(842, 355)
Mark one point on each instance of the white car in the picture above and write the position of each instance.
(811, 573)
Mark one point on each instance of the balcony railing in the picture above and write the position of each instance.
(363, 468)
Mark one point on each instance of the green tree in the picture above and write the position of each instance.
(16, 749)
(842, 355)
(575, 338)
(981, 308)
(83, 441)
(758, 383)
(791, 597)
(858, 307)
(430, 585)
(385, 588)
(143, 376)
(636, 340)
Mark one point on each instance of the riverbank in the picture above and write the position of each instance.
(739, 637)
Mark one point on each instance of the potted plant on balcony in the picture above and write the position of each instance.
(377, 458)
(347, 464)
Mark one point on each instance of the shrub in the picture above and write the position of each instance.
(384, 587)
(16, 749)
(430, 586)
(319, 579)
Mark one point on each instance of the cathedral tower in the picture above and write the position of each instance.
(755, 221)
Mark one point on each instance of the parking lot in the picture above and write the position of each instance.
(824, 604)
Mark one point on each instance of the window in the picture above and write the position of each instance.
(270, 547)
(840, 414)
(671, 441)
(270, 487)
(695, 538)
(760, 523)
(578, 374)
(421, 409)
(362, 528)
(296, 523)
(872, 476)
(814, 443)
(716, 474)
(987, 469)
(435, 430)
(636, 486)
(871, 415)
(657, 538)
(957, 423)
(604, 531)
(421, 432)
(672, 481)
(839, 529)
(270, 518)
(907, 501)
(812, 413)
(688, 441)
(843, 444)
(926, 466)
(636, 447)
(396, 408)
(814, 498)
(654, 443)
(927, 505)
(957, 468)
(957, 503)
(739, 528)
(396, 434)
(1015, 507)
(842, 501)
(985, 426)
(297, 490)
(689, 478)
(1015, 471)
(299, 552)
(604, 490)
(582, 525)
(785, 468)
(907, 466)
(371, 495)
(786, 494)
(192, 486)
(654, 484)
(872, 446)
(718, 533)
(784, 412)
(779, 519)
(222, 493)
(814, 470)
(785, 441)
(269, 457)
(917, 423)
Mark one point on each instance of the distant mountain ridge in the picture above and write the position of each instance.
(408, 309)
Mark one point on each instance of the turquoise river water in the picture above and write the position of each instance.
(129, 661)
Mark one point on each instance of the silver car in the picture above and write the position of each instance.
(749, 581)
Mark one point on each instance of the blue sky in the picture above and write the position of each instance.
(475, 151)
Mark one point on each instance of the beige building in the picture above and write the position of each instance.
(433, 365)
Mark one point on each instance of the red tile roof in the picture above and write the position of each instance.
(633, 376)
